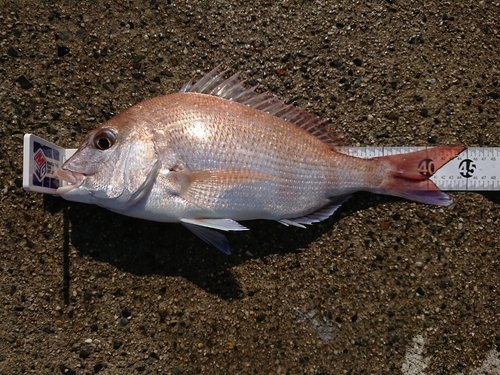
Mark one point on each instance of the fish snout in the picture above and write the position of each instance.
(73, 190)
(73, 178)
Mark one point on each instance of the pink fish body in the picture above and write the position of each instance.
(217, 153)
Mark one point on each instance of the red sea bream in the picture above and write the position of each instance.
(217, 153)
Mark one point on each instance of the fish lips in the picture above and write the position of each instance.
(72, 191)
(73, 178)
(75, 190)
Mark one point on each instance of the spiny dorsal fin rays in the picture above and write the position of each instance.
(231, 86)
(257, 100)
(214, 83)
(205, 83)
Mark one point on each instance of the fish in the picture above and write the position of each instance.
(218, 153)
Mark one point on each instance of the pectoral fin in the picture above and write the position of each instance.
(205, 188)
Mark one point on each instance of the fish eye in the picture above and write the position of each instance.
(104, 140)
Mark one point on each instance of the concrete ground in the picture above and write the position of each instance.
(385, 286)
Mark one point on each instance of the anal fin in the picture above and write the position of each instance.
(317, 216)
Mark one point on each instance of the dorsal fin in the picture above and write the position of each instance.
(215, 83)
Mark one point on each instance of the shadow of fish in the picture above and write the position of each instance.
(217, 153)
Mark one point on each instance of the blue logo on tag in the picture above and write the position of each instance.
(40, 165)
(42, 155)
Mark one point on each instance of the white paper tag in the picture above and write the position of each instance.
(41, 161)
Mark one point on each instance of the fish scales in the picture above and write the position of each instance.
(217, 153)
(221, 134)
(217, 134)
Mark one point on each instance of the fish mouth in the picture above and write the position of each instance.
(74, 180)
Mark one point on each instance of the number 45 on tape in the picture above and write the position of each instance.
(475, 169)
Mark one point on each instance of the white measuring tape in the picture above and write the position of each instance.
(474, 169)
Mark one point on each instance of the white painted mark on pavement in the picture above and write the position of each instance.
(321, 324)
(491, 365)
(415, 363)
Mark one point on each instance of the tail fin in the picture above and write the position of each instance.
(409, 175)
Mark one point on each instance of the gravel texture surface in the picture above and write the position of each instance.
(86, 291)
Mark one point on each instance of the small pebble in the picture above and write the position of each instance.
(385, 225)
(63, 35)
(421, 213)
(98, 367)
(81, 34)
(66, 370)
(62, 51)
(85, 352)
(24, 82)
(12, 52)
(126, 313)
(336, 64)
(117, 344)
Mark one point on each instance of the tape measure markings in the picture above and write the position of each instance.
(474, 169)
